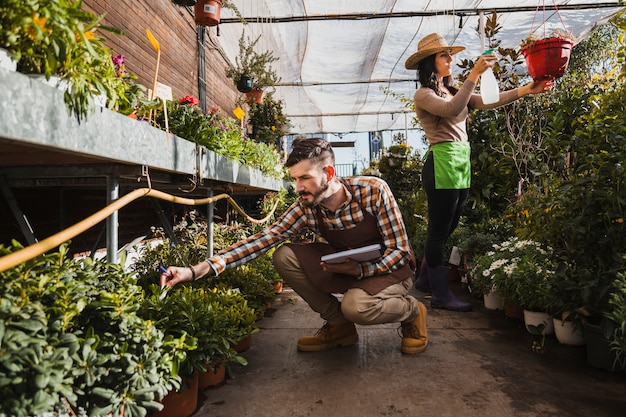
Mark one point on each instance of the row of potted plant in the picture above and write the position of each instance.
(89, 336)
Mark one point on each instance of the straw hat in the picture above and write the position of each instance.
(429, 45)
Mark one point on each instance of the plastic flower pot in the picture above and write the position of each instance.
(245, 84)
(547, 58)
(207, 12)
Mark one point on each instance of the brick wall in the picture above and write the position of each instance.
(175, 30)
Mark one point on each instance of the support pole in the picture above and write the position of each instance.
(113, 188)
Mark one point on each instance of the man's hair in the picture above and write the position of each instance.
(317, 150)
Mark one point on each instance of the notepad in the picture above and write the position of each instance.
(365, 253)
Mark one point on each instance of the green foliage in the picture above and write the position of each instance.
(617, 315)
(268, 120)
(253, 64)
(221, 135)
(69, 331)
(56, 37)
(214, 318)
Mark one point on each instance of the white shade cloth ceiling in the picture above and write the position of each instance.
(334, 68)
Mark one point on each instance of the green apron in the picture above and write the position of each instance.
(452, 165)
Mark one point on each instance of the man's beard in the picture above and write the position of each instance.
(317, 196)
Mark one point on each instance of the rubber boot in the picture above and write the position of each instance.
(422, 283)
(329, 336)
(442, 296)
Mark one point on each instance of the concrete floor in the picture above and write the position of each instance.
(477, 364)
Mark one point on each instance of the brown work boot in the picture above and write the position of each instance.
(414, 333)
(329, 336)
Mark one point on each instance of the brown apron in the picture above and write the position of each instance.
(363, 234)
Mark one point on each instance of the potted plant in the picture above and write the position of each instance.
(252, 70)
(547, 57)
(71, 336)
(58, 40)
(520, 270)
(268, 120)
(208, 12)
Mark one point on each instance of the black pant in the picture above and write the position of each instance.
(444, 211)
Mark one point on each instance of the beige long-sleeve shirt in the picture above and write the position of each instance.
(444, 118)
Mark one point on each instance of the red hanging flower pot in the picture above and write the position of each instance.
(548, 58)
(207, 12)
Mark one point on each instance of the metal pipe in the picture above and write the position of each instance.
(29, 252)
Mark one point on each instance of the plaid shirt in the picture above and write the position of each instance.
(371, 193)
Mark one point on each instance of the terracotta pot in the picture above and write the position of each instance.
(243, 344)
(207, 12)
(182, 403)
(513, 311)
(211, 377)
(255, 96)
(278, 287)
(548, 58)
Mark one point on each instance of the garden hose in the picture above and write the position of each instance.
(29, 252)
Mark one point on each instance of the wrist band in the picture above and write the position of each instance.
(193, 273)
(362, 272)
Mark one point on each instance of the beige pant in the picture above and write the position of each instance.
(391, 305)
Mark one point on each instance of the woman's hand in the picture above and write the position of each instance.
(539, 86)
(482, 64)
(348, 267)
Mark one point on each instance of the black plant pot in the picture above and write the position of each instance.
(185, 3)
(244, 84)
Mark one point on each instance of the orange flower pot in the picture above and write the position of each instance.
(207, 12)
(182, 403)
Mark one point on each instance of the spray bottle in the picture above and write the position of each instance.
(489, 90)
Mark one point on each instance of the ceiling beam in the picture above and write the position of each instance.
(390, 15)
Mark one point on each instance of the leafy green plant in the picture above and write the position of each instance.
(253, 64)
(268, 120)
(57, 37)
(213, 317)
(220, 134)
(70, 334)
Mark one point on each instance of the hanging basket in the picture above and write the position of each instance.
(548, 58)
(207, 12)
(245, 83)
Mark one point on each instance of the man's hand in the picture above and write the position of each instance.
(348, 267)
(175, 275)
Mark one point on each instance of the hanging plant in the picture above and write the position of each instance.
(251, 64)
(548, 57)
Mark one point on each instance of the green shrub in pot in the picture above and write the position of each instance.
(69, 333)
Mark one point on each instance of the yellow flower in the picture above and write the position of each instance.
(89, 35)
(620, 220)
(39, 21)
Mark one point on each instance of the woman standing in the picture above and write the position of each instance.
(442, 111)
